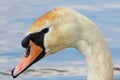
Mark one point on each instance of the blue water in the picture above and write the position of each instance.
(16, 16)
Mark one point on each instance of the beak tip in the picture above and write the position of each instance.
(12, 73)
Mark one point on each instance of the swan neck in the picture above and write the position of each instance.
(98, 59)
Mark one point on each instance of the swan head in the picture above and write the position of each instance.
(51, 33)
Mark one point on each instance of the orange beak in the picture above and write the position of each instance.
(25, 62)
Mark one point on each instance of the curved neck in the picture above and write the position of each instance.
(97, 55)
(98, 59)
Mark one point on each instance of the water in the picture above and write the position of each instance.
(49, 68)
(68, 64)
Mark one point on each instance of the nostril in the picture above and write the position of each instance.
(27, 51)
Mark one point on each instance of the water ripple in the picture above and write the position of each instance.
(52, 72)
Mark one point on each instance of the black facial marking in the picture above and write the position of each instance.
(37, 38)
(25, 41)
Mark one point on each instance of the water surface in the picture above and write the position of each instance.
(17, 16)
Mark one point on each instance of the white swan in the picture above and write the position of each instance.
(61, 28)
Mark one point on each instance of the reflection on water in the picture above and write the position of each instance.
(39, 73)
(5, 73)
(50, 73)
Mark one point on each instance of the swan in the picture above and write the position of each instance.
(63, 27)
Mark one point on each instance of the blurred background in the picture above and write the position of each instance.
(16, 16)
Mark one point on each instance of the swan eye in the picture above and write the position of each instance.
(45, 30)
